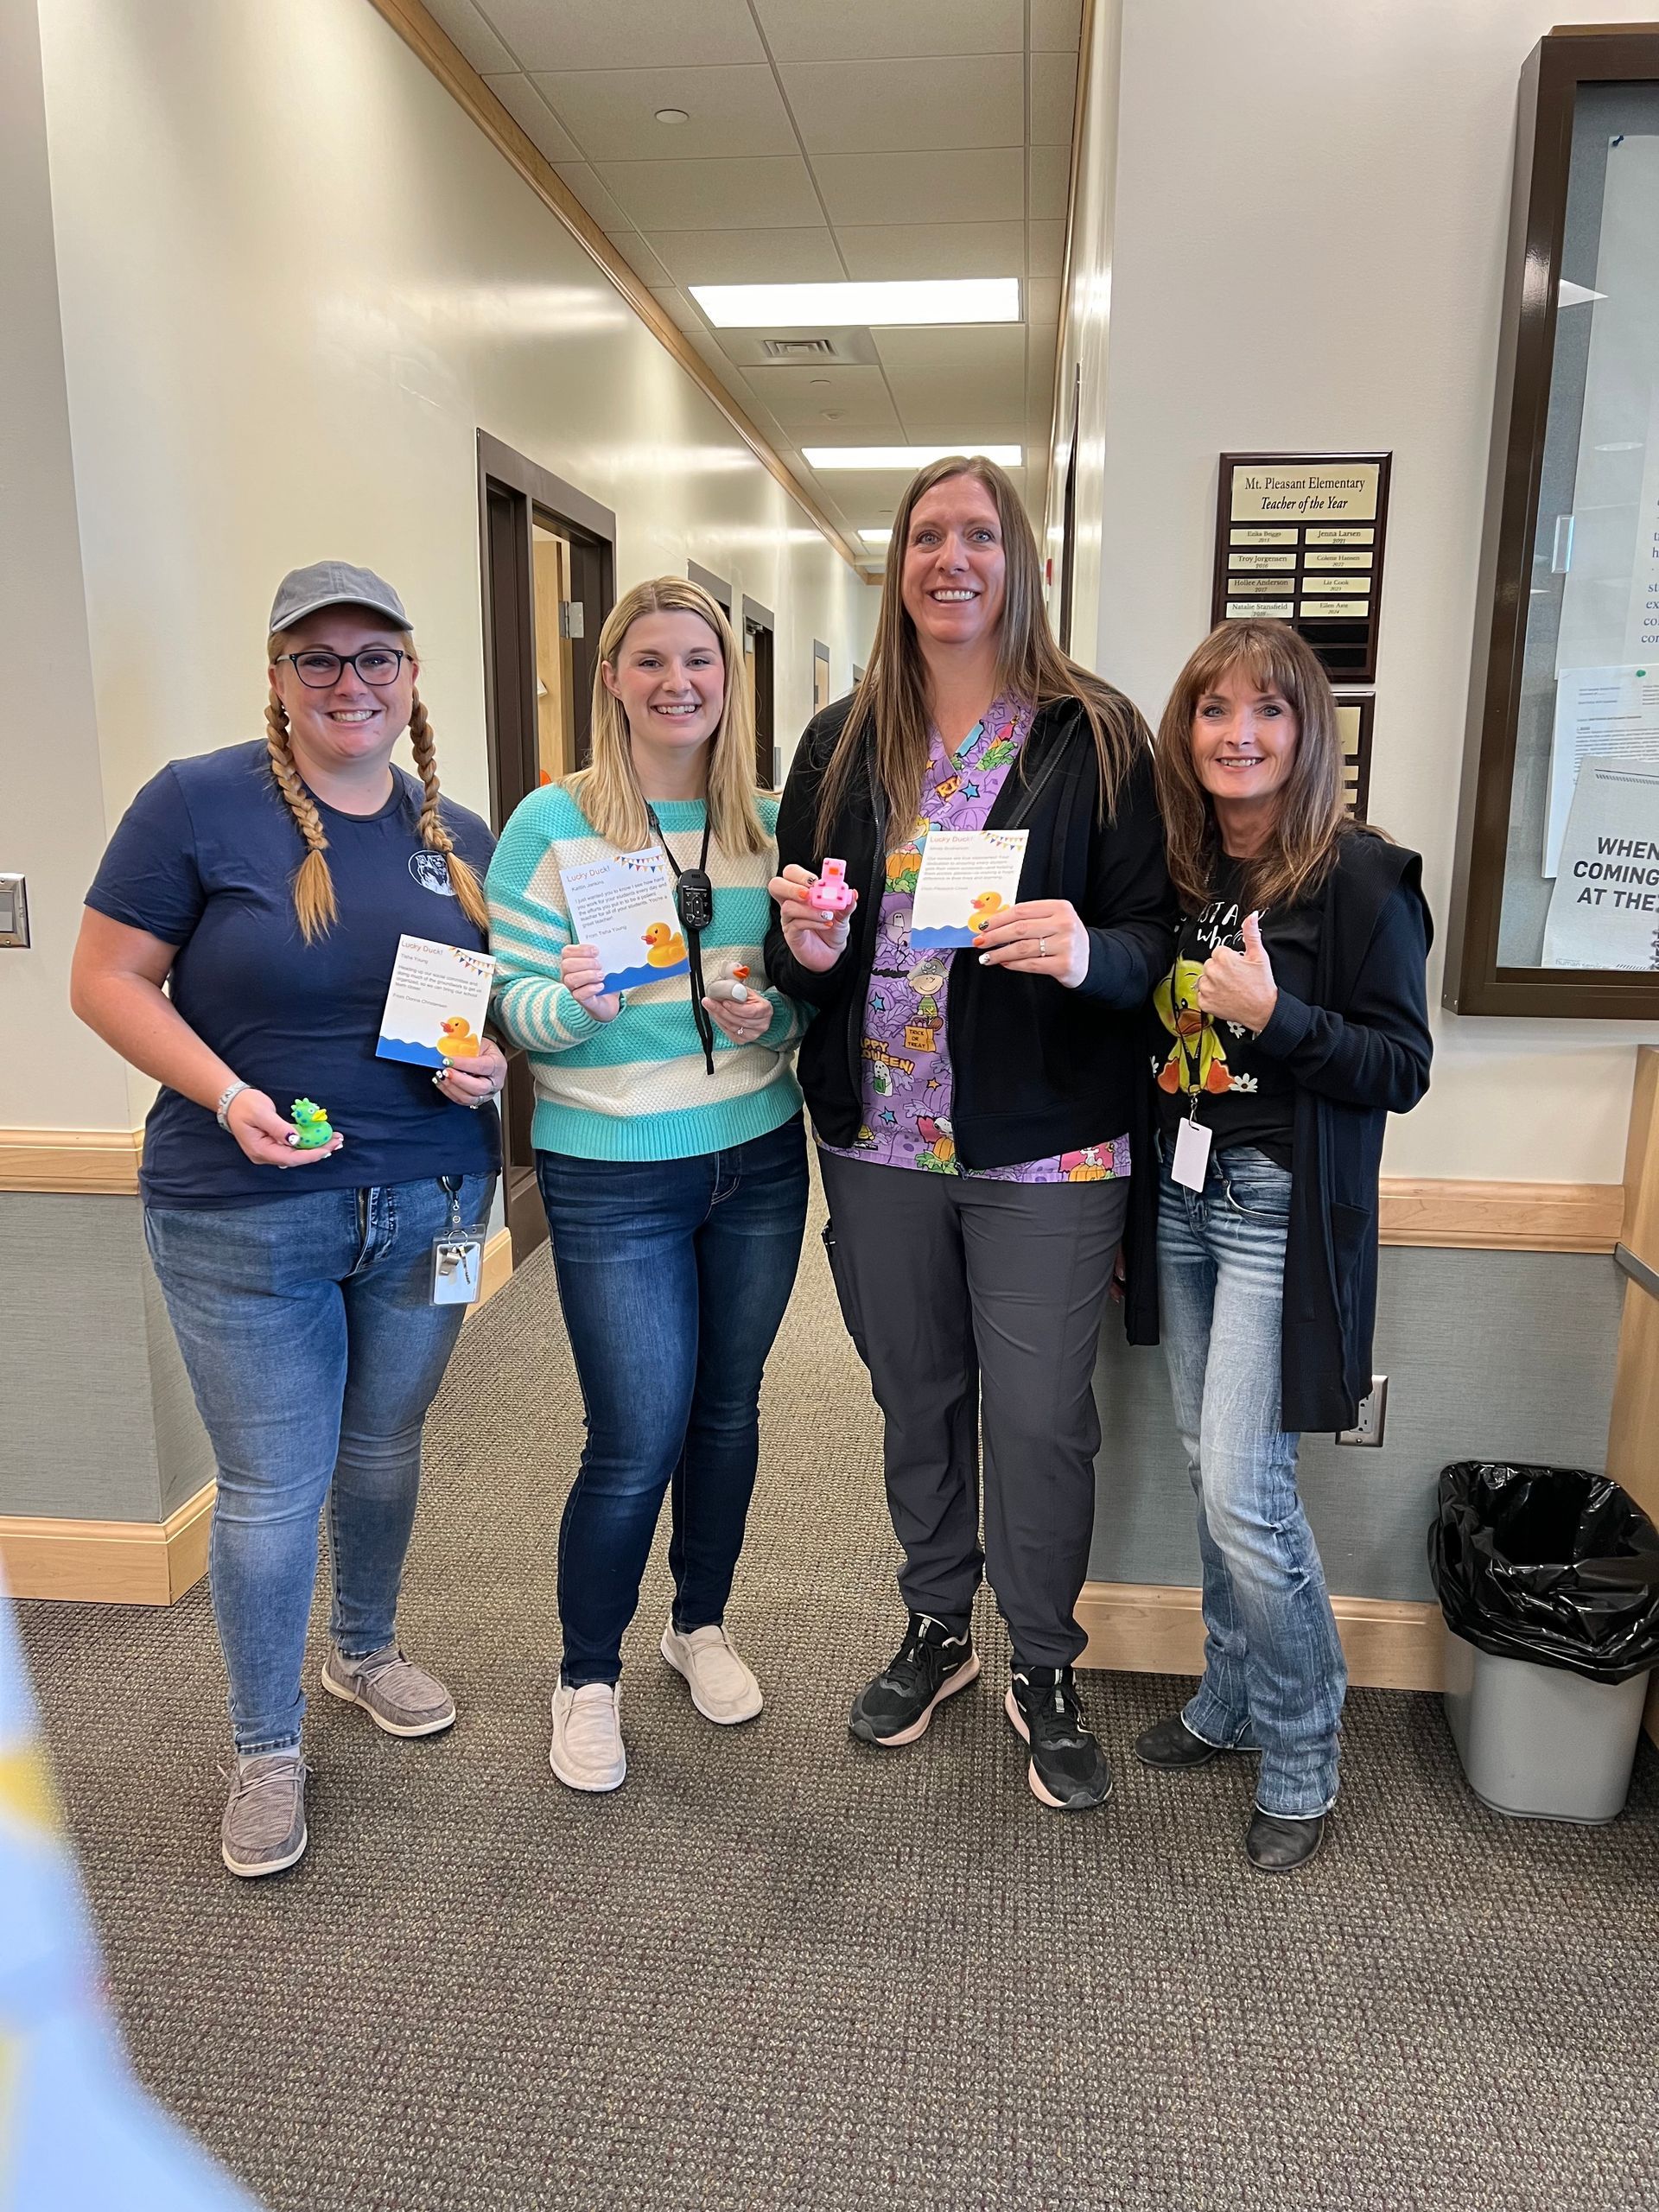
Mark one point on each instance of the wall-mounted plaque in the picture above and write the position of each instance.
(1299, 539)
(1354, 710)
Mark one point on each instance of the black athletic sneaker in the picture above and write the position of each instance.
(931, 1666)
(1068, 1768)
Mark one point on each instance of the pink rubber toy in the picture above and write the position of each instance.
(830, 895)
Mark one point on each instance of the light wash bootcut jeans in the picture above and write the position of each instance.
(313, 1350)
(1273, 1673)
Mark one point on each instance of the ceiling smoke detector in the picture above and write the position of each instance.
(672, 114)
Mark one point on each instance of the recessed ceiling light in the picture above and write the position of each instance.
(794, 306)
(877, 536)
(672, 114)
(903, 456)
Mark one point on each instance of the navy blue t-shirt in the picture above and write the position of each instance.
(205, 859)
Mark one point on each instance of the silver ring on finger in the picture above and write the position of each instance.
(1042, 948)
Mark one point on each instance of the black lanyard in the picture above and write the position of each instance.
(693, 902)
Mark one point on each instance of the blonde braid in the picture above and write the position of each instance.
(434, 835)
(314, 887)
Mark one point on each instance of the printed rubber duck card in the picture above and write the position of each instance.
(435, 1007)
(624, 907)
(968, 879)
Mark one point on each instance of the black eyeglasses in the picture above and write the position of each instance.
(318, 672)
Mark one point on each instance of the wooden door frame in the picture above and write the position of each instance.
(763, 623)
(512, 492)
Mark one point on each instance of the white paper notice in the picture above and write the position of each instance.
(968, 880)
(1603, 912)
(435, 1010)
(624, 907)
(1601, 714)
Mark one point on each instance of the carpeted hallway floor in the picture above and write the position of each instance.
(777, 1970)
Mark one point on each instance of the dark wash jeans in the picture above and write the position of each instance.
(673, 1275)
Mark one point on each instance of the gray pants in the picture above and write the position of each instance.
(977, 1307)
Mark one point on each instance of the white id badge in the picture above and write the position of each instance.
(457, 1266)
(1191, 1154)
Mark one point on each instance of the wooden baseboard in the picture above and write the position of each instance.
(497, 1270)
(1158, 1629)
(109, 1562)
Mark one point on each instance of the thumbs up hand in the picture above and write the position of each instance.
(1238, 986)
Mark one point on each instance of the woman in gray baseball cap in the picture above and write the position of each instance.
(310, 1259)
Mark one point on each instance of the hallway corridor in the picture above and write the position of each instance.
(777, 1970)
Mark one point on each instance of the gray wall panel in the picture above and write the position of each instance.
(183, 1451)
(78, 1435)
(1488, 1355)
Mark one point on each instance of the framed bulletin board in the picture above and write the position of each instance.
(1299, 538)
(1555, 889)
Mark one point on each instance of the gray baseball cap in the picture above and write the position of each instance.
(333, 583)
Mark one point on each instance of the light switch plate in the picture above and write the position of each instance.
(1373, 1412)
(14, 910)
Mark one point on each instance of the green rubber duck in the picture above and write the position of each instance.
(312, 1123)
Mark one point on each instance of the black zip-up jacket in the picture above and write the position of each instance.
(1359, 1051)
(1036, 1068)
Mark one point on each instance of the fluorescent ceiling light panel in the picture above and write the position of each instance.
(875, 536)
(903, 457)
(839, 306)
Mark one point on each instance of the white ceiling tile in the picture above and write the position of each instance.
(681, 312)
(881, 252)
(965, 395)
(585, 183)
(531, 112)
(771, 192)
(968, 428)
(613, 112)
(1053, 89)
(471, 34)
(1050, 182)
(1043, 299)
(990, 349)
(808, 30)
(639, 34)
(1045, 248)
(801, 400)
(803, 256)
(938, 188)
(873, 107)
(1056, 26)
(637, 252)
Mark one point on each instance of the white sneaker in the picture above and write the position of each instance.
(723, 1688)
(587, 1751)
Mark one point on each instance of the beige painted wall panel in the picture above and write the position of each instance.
(1310, 232)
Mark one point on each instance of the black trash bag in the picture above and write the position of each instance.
(1553, 1565)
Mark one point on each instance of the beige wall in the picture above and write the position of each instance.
(295, 282)
(50, 801)
(1308, 252)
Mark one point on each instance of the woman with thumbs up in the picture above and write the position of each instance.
(1294, 1020)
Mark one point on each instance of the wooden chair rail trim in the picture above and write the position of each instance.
(461, 81)
(89, 1161)
(108, 1562)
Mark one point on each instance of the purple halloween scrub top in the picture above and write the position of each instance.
(906, 1087)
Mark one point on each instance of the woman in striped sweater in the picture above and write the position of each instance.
(671, 1155)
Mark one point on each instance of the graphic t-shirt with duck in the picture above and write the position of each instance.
(1243, 1094)
(907, 1079)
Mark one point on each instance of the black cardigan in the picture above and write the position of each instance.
(1359, 1052)
(1037, 1069)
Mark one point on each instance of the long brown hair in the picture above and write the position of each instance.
(315, 904)
(608, 790)
(1311, 821)
(892, 698)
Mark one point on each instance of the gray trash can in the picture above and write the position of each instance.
(1538, 1742)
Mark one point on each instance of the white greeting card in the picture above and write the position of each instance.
(624, 907)
(435, 1007)
(970, 879)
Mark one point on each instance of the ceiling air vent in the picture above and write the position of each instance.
(800, 349)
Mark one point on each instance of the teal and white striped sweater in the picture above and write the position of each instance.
(635, 1088)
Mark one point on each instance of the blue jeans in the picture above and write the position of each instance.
(673, 1275)
(1273, 1673)
(314, 1349)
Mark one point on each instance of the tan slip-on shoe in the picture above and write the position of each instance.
(263, 1827)
(723, 1688)
(586, 1749)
